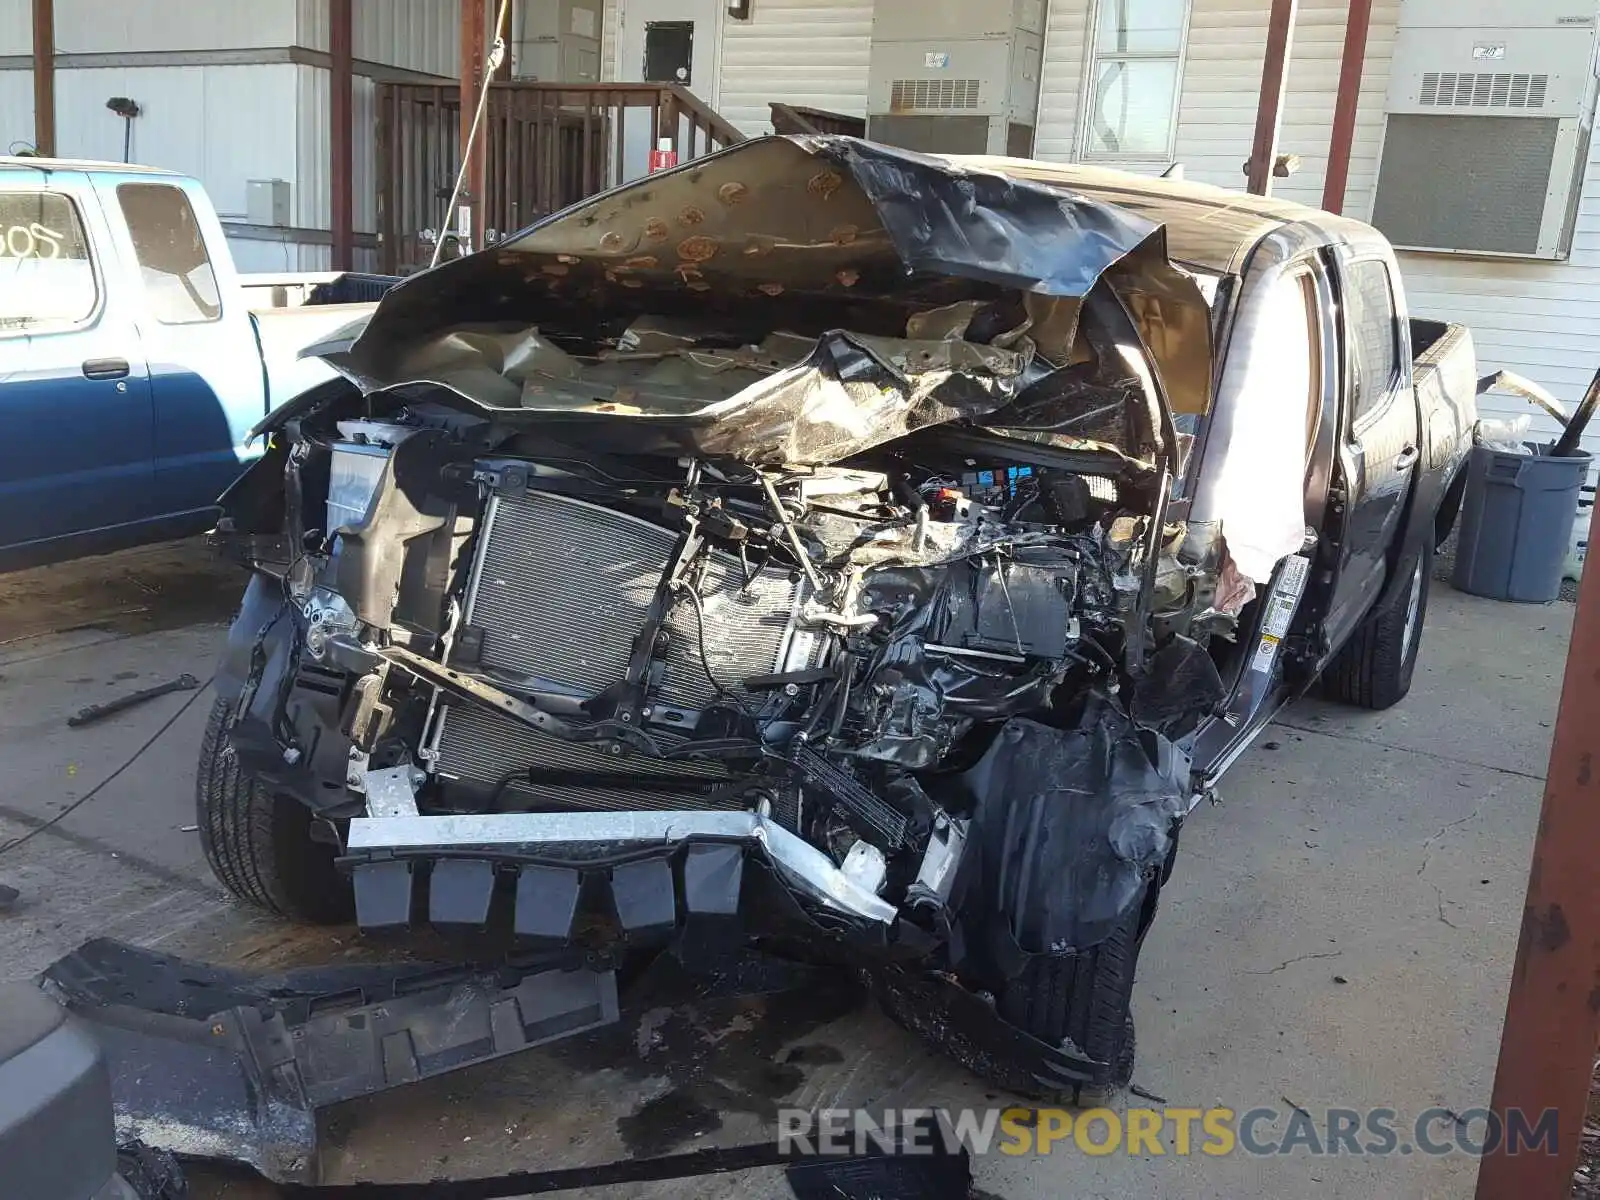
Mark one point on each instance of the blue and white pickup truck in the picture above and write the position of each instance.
(133, 359)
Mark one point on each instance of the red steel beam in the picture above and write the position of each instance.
(474, 39)
(44, 77)
(1274, 79)
(1356, 24)
(341, 109)
(1553, 1012)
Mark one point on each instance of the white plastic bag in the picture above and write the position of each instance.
(1506, 436)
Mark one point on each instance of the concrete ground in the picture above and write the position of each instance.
(1339, 932)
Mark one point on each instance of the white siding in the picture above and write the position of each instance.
(810, 52)
(608, 41)
(419, 35)
(93, 26)
(16, 111)
(223, 125)
(16, 29)
(1540, 319)
(1061, 80)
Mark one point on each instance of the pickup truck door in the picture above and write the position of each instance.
(75, 409)
(1378, 447)
(206, 379)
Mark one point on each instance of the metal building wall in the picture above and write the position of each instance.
(16, 29)
(132, 26)
(419, 35)
(223, 125)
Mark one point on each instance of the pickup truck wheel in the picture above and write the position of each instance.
(1374, 668)
(259, 844)
(1083, 998)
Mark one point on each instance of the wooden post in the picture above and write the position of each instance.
(1274, 79)
(1357, 22)
(1553, 1012)
(474, 36)
(341, 140)
(44, 77)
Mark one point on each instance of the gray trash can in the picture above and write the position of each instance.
(1516, 523)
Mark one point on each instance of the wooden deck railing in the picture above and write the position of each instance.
(798, 118)
(547, 145)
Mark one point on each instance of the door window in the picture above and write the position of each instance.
(46, 273)
(1374, 332)
(178, 279)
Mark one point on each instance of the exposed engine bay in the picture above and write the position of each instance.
(893, 591)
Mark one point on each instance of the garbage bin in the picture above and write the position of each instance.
(1516, 522)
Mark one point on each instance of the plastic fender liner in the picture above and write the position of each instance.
(1071, 824)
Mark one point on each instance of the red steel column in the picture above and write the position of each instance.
(44, 77)
(1357, 23)
(341, 138)
(474, 38)
(1274, 78)
(1553, 1012)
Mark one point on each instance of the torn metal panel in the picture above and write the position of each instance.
(816, 235)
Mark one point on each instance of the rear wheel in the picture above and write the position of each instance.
(1375, 667)
(258, 843)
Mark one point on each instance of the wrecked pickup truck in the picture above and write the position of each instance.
(866, 555)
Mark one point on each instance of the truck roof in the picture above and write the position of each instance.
(82, 164)
(1210, 227)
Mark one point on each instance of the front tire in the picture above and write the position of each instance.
(1374, 668)
(1084, 999)
(258, 843)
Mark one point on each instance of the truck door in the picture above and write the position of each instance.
(75, 415)
(1378, 449)
(206, 378)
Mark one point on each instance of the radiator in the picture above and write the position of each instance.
(560, 589)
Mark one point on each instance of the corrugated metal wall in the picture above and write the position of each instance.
(420, 35)
(16, 28)
(128, 26)
(223, 125)
(313, 201)
(16, 111)
(763, 61)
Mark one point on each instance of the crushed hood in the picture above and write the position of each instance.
(876, 255)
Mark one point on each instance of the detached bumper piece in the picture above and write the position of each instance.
(657, 865)
(216, 1063)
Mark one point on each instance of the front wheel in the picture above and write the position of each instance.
(1083, 999)
(259, 843)
(1374, 668)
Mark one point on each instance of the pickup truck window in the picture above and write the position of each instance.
(171, 250)
(1374, 335)
(46, 274)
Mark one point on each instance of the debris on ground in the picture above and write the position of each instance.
(98, 712)
(1586, 1180)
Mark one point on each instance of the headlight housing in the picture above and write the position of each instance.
(353, 478)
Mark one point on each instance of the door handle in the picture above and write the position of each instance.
(1408, 458)
(105, 368)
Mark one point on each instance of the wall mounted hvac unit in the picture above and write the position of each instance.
(556, 41)
(1487, 133)
(955, 76)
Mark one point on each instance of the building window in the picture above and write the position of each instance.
(1135, 71)
(46, 276)
(171, 249)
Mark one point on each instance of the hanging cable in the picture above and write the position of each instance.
(497, 55)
